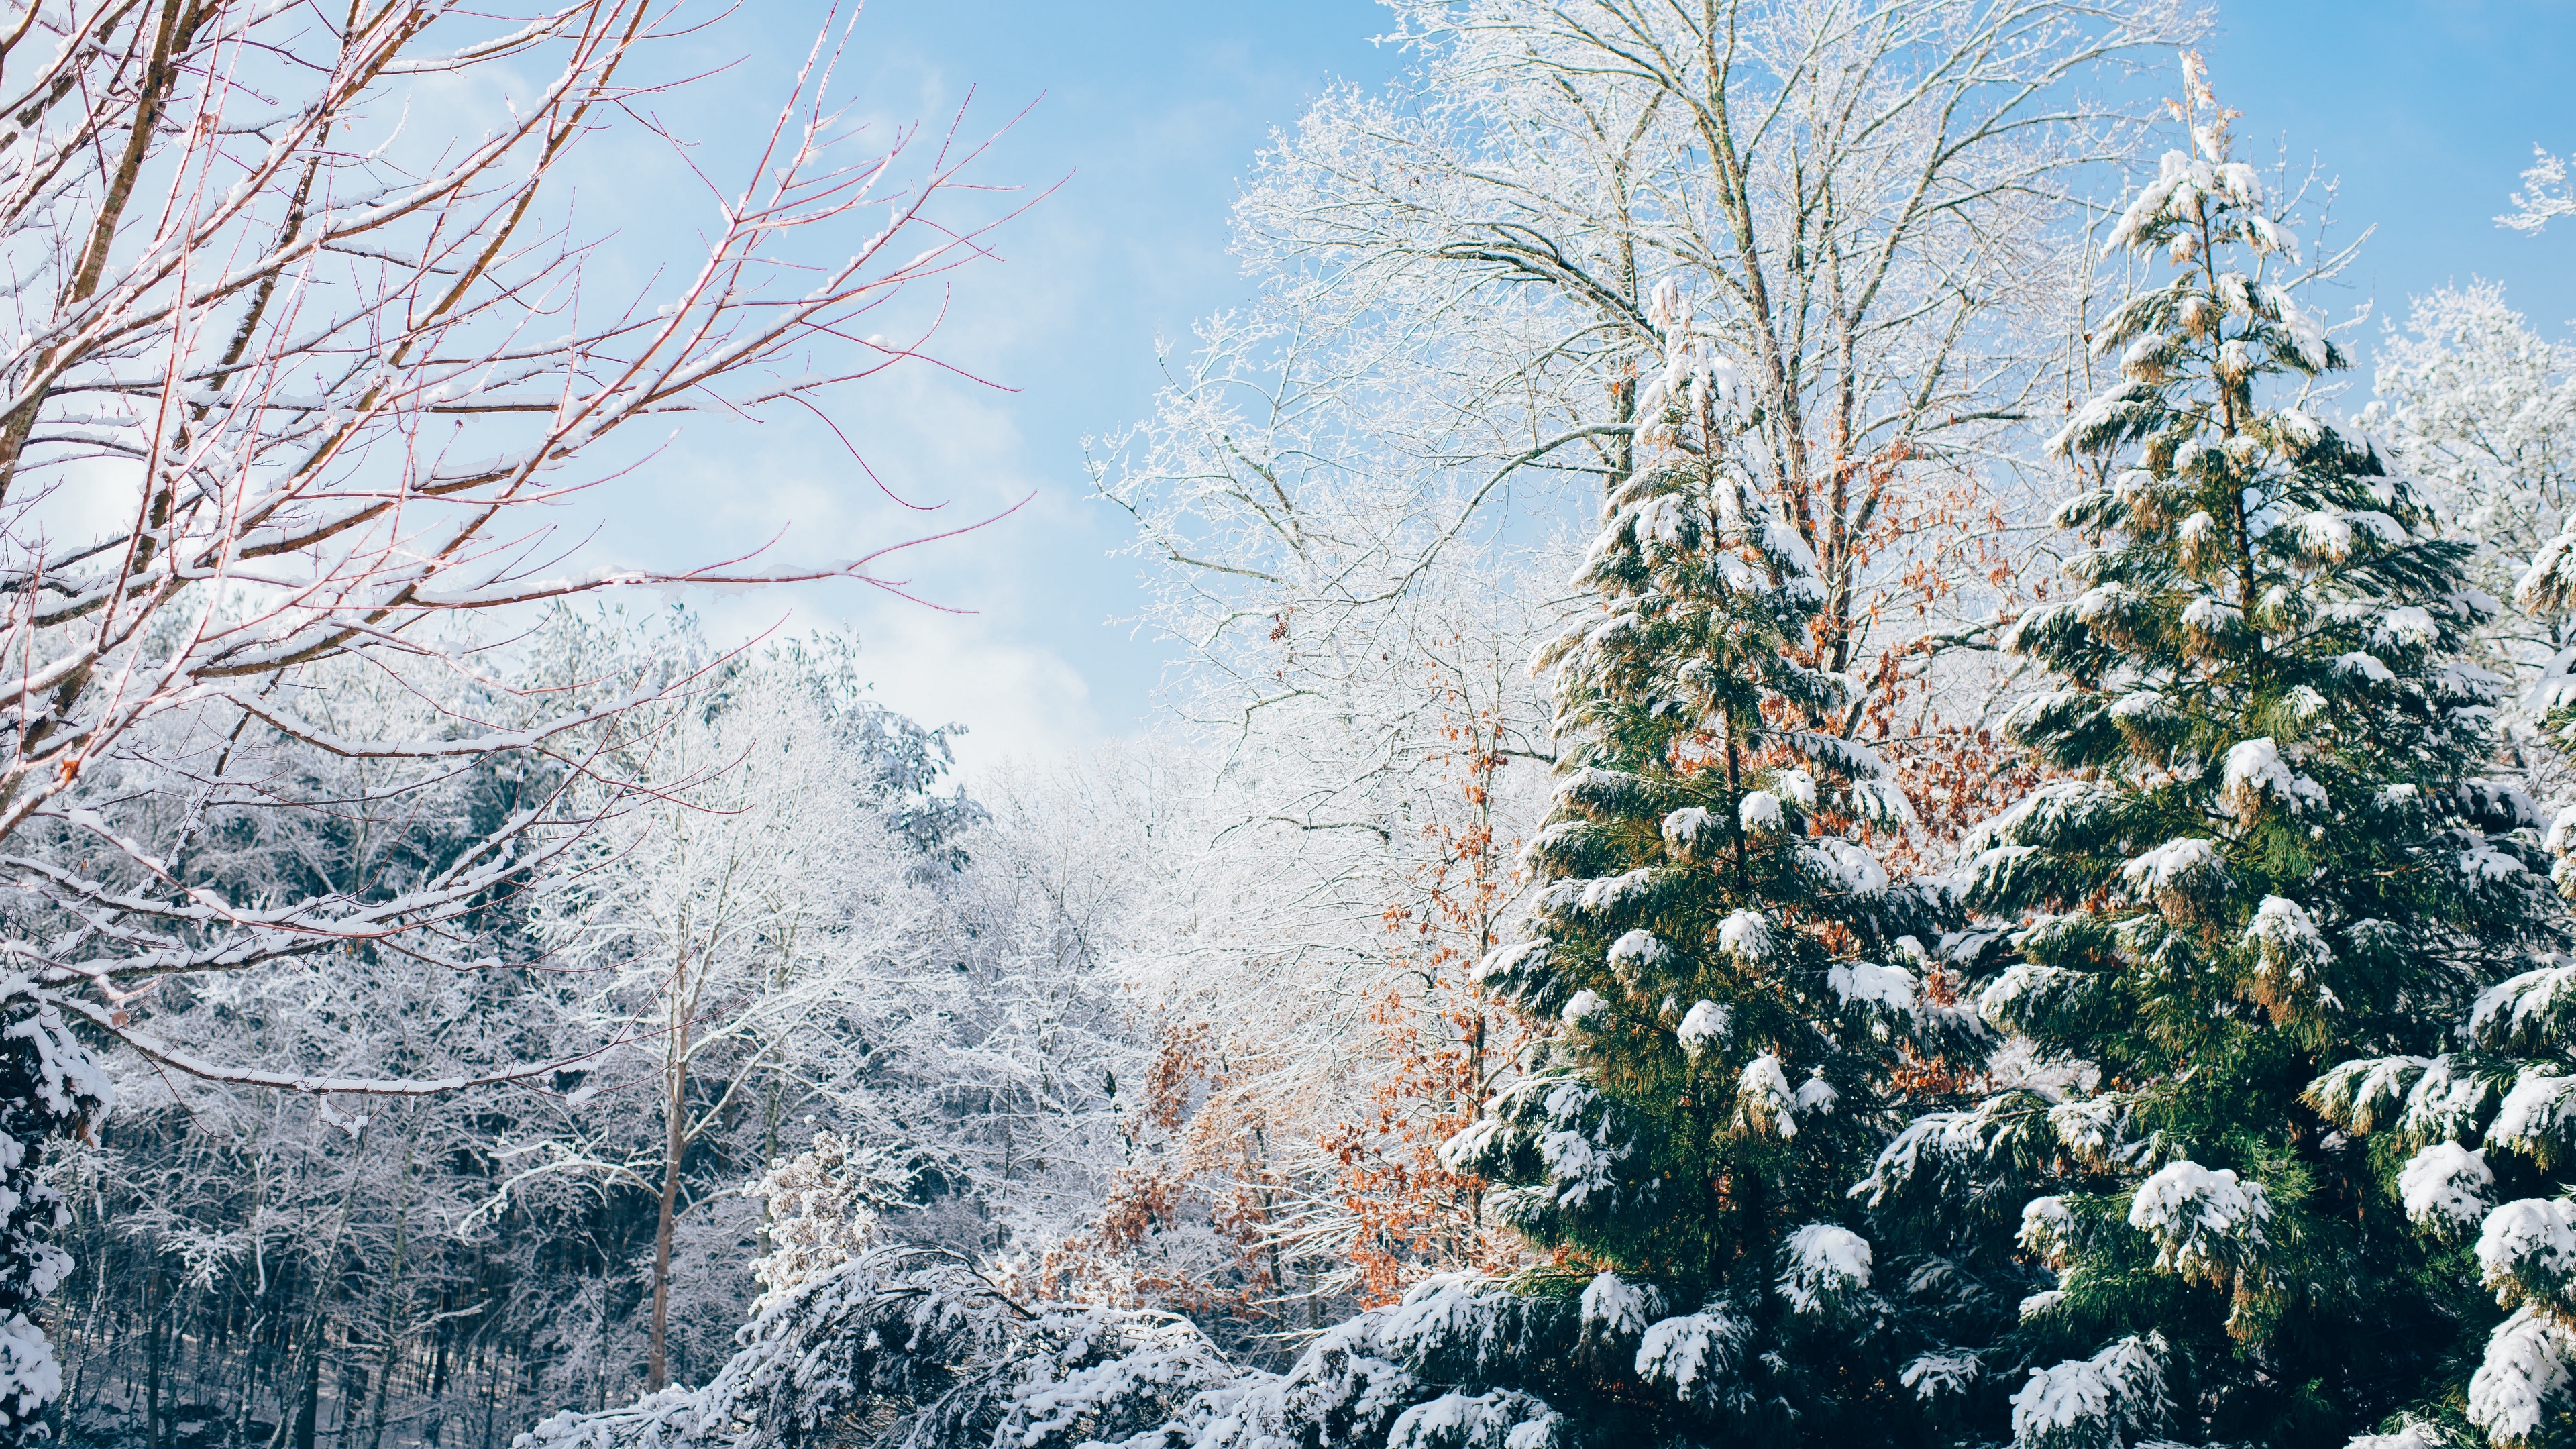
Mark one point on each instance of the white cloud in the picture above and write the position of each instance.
(1019, 700)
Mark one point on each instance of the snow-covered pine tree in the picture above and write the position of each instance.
(1717, 975)
(1720, 991)
(2271, 850)
(2478, 1145)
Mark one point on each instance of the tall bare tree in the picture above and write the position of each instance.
(298, 305)
(1866, 204)
(1479, 287)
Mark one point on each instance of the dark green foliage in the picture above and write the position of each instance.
(2480, 1141)
(2269, 850)
(1722, 982)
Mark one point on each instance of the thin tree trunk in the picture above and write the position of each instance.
(310, 1411)
(152, 1309)
(394, 1319)
(674, 1144)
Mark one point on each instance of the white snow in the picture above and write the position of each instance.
(1759, 810)
(2413, 1436)
(1843, 866)
(1941, 1372)
(2254, 769)
(2445, 1186)
(2293, 953)
(2144, 704)
(2530, 1240)
(1882, 802)
(2047, 1229)
(2109, 1398)
(2444, 1100)
(2524, 1009)
(2483, 862)
(1763, 1097)
(2523, 1377)
(30, 1376)
(1638, 952)
(1504, 960)
(1685, 828)
(1579, 1163)
(2408, 625)
(1695, 1353)
(2191, 862)
(2210, 614)
(2325, 533)
(1826, 1265)
(1586, 1005)
(1616, 1308)
(2364, 1095)
(1893, 987)
(2093, 1129)
(2050, 803)
(1618, 890)
(1745, 935)
(1704, 1025)
(2537, 1114)
(1999, 1005)
(2205, 1223)
(1495, 1419)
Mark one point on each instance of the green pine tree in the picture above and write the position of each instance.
(1721, 981)
(2270, 850)
(2478, 1145)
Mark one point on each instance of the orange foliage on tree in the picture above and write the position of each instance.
(1441, 1043)
(1182, 1159)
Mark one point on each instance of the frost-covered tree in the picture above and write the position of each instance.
(332, 1267)
(1717, 1058)
(1863, 196)
(2547, 197)
(1344, 492)
(271, 403)
(1722, 979)
(2479, 411)
(735, 919)
(2270, 850)
(49, 1089)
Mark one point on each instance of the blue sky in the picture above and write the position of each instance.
(1148, 114)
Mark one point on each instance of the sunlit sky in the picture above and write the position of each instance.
(1143, 115)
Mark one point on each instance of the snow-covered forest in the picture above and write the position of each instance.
(1852, 757)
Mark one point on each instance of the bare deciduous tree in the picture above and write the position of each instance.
(1869, 212)
(1865, 205)
(303, 333)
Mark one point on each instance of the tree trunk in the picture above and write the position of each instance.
(395, 1319)
(674, 1143)
(153, 1305)
(311, 1410)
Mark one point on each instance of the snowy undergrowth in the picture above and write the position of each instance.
(921, 1349)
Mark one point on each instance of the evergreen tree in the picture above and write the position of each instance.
(2270, 850)
(2478, 1145)
(1722, 1004)
(1718, 980)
